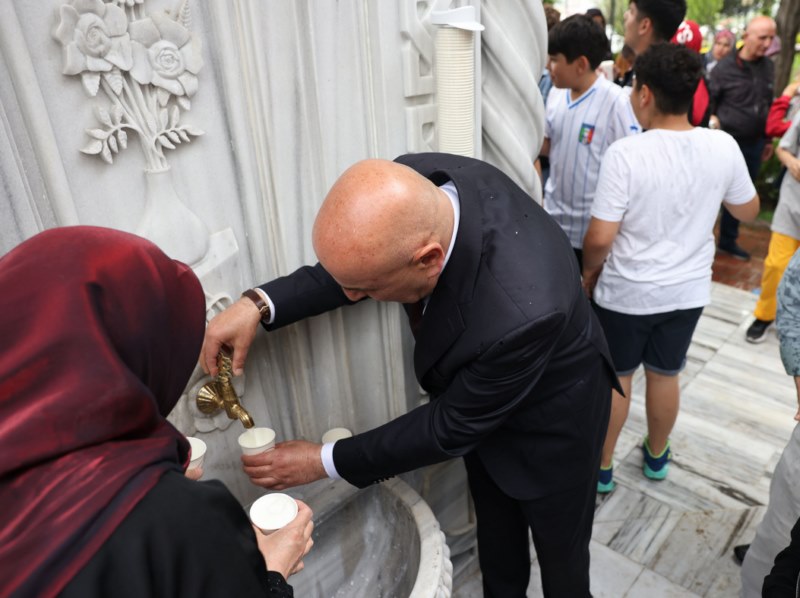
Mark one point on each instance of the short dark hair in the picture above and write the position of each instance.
(672, 73)
(551, 16)
(577, 36)
(665, 15)
(596, 12)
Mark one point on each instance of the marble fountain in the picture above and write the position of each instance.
(380, 542)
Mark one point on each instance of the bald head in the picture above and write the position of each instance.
(757, 37)
(375, 221)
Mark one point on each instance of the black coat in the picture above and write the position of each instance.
(184, 539)
(509, 348)
(741, 94)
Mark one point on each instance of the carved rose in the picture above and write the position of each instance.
(94, 37)
(165, 54)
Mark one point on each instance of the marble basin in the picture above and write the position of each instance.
(381, 542)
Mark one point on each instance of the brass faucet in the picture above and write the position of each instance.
(220, 394)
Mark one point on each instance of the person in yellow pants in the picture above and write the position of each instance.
(781, 249)
(785, 237)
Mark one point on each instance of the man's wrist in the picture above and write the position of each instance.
(262, 303)
(326, 456)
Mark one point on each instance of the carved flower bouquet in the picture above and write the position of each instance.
(145, 65)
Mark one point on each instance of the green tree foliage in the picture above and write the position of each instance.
(614, 19)
(704, 12)
(739, 7)
(788, 20)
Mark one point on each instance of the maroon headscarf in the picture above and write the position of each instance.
(100, 332)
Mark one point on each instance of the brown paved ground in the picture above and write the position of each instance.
(753, 238)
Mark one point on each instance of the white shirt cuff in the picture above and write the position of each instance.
(327, 461)
(266, 298)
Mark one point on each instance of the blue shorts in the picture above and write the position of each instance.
(659, 341)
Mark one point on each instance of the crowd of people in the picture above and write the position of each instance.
(640, 207)
(529, 322)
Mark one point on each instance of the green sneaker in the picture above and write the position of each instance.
(605, 481)
(656, 466)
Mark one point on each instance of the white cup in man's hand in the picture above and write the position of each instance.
(257, 440)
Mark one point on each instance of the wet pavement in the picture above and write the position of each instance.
(753, 238)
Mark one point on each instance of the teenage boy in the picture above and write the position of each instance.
(584, 115)
(650, 245)
(648, 22)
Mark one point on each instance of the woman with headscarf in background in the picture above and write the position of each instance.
(101, 332)
(724, 41)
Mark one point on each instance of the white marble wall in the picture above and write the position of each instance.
(290, 94)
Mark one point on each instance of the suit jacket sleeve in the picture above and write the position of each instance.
(307, 292)
(480, 398)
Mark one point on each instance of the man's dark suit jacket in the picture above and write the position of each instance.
(509, 348)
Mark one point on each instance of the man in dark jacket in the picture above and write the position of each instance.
(741, 89)
(507, 345)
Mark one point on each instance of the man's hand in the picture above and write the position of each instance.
(283, 550)
(236, 328)
(289, 464)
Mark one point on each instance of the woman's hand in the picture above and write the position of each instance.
(283, 550)
(195, 473)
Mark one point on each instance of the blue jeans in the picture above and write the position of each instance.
(728, 225)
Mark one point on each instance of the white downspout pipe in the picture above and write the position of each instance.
(455, 79)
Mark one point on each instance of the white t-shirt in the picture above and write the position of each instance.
(665, 187)
(580, 132)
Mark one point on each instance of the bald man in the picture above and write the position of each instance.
(741, 89)
(506, 344)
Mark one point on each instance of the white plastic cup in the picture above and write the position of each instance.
(198, 454)
(273, 511)
(257, 440)
(335, 434)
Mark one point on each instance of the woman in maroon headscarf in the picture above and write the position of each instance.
(101, 332)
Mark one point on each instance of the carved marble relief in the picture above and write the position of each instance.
(144, 65)
(419, 83)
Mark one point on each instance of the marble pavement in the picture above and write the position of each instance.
(675, 538)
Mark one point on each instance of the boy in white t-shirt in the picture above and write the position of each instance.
(650, 245)
(583, 117)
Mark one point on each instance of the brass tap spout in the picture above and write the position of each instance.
(220, 394)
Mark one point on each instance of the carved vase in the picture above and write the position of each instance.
(169, 223)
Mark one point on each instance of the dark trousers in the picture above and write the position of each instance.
(561, 527)
(728, 225)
